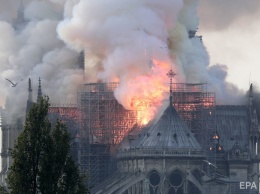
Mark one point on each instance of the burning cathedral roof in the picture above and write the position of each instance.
(170, 131)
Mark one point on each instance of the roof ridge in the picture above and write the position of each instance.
(170, 131)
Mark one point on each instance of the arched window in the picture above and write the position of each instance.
(175, 183)
(154, 180)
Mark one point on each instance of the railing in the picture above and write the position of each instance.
(135, 152)
(239, 157)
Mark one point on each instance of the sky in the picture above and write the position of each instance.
(231, 34)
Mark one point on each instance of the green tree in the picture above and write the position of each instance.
(41, 157)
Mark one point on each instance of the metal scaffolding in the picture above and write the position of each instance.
(68, 114)
(100, 123)
(103, 120)
(197, 108)
(103, 124)
(95, 161)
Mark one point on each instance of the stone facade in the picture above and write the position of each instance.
(165, 158)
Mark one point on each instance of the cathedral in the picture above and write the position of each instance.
(169, 155)
(165, 157)
(193, 147)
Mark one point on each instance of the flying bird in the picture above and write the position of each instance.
(13, 84)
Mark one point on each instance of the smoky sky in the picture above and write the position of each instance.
(53, 8)
(32, 49)
(7, 9)
(220, 14)
(49, 43)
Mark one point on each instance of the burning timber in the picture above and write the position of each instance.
(103, 122)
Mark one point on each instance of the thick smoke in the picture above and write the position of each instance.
(30, 48)
(219, 15)
(7, 10)
(227, 24)
(118, 37)
(192, 56)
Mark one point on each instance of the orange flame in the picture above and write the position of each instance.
(146, 92)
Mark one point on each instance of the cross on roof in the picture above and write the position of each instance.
(171, 75)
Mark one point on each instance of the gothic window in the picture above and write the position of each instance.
(154, 179)
(175, 183)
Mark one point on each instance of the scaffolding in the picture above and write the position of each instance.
(92, 159)
(103, 120)
(65, 110)
(95, 161)
(68, 114)
(197, 108)
(103, 124)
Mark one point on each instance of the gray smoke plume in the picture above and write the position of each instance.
(192, 56)
(30, 48)
(103, 30)
(7, 10)
(226, 24)
(118, 37)
(219, 15)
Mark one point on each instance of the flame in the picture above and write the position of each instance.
(146, 92)
(143, 119)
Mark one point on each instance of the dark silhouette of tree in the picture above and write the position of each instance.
(2, 190)
(41, 157)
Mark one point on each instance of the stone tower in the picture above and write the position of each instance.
(39, 91)
(30, 99)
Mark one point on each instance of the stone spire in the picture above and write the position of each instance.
(251, 95)
(30, 100)
(30, 90)
(39, 91)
